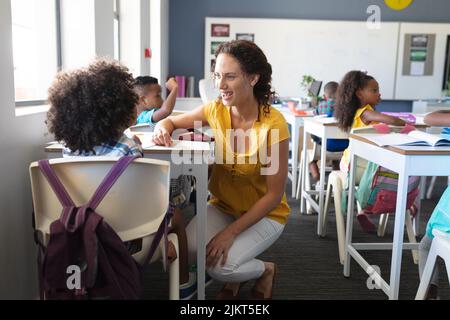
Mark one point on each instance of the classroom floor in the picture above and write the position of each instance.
(309, 268)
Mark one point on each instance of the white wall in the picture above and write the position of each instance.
(159, 17)
(135, 35)
(21, 141)
(87, 28)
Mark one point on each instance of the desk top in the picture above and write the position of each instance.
(286, 111)
(407, 150)
(178, 145)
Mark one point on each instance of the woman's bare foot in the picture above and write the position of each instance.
(263, 287)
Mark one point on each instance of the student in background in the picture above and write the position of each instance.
(326, 107)
(356, 98)
(89, 116)
(248, 209)
(439, 219)
(151, 108)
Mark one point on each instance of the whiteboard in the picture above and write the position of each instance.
(325, 50)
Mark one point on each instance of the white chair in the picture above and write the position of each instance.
(440, 246)
(134, 207)
(336, 182)
(207, 90)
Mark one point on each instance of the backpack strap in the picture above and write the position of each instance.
(112, 176)
(162, 231)
(55, 183)
(69, 207)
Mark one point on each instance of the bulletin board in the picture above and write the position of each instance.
(327, 50)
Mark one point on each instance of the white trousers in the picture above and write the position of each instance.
(241, 264)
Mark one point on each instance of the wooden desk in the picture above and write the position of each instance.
(325, 128)
(186, 158)
(406, 161)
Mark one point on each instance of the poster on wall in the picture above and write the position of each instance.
(418, 54)
(245, 36)
(214, 45)
(220, 30)
(419, 41)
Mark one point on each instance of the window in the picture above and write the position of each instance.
(36, 48)
(116, 30)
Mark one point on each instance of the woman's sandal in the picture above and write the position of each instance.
(258, 295)
(228, 294)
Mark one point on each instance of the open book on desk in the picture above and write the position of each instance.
(177, 145)
(414, 138)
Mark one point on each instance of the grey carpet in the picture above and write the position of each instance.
(309, 268)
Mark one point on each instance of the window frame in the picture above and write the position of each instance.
(116, 14)
(29, 103)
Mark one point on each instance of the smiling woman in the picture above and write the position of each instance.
(248, 209)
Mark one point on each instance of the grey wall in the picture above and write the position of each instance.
(21, 141)
(187, 20)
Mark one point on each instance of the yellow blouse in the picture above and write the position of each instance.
(236, 182)
(357, 123)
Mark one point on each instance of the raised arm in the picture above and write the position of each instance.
(369, 116)
(168, 105)
(276, 183)
(164, 128)
(438, 118)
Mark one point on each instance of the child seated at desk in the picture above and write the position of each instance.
(151, 108)
(439, 219)
(326, 107)
(89, 110)
(357, 95)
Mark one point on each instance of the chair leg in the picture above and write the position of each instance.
(299, 180)
(326, 208)
(340, 223)
(411, 236)
(427, 274)
(431, 187)
(382, 224)
(174, 271)
(335, 184)
(309, 209)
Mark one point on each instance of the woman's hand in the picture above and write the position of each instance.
(217, 249)
(161, 136)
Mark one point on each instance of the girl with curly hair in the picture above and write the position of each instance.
(248, 209)
(356, 98)
(89, 110)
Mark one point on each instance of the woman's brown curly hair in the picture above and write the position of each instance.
(91, 106)
(253, 61)
(346, 100)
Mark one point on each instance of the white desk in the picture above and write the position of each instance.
(296, 122)
(325, 128)
(186, 158)
(406, 161)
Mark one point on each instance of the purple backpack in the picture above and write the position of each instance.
(81, 241)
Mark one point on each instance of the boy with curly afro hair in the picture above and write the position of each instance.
(91, 107)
